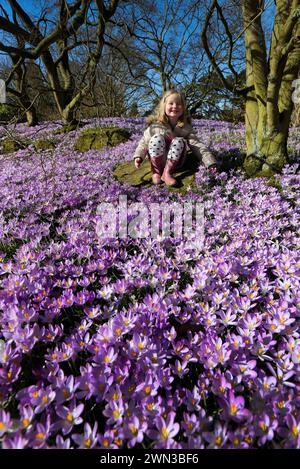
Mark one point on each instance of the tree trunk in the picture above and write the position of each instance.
(21, 93)
(31, 117)
(266, 148)
(270, 155)
(269, 103)
(62, 96)
(68, 118)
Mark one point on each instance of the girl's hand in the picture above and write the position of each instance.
(138, 162)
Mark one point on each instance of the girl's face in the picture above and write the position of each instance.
(173, 107)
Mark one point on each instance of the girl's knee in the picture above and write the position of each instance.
(156, 146)
(178, 145)
(177, 149)
(178, 142)
(157, 139)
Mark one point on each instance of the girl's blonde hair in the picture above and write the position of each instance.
(159, 114)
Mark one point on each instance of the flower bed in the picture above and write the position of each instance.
(142, 343)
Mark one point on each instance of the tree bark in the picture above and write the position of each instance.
(21, 94)
(269, 81)
(31, 117)
(269, 103)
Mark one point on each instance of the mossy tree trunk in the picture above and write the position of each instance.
(269, 102)
(269, 80)
(31, 117)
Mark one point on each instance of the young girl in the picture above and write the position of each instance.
(167, 139)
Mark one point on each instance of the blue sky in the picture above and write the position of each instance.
(31, 7)
(27, 5)
(34, 8)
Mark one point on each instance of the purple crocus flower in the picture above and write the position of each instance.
(16, 441)
(66, 390)
(114, 410)
(244, 371)
(151, 406)
(46, 396)
(138, 345)
(60, 443)
(40, 434)
(234, 407)
(135, 429)
(218, 437)
(265, 428)
(70, 416)
(66, 300)
(281, 404)
(190, 423)
(84, 296)
(26, 417)
(193, 399)
(89, 438)
(109, 440)
(238, 439)
(194, 442)
(107, 357)
(149, 386)
(38, 397)
(266, 386)
(92, 312)
(279, 321)
(291, 432)
(220, 384)
(5, 422)
(282, 376)
(166, 430)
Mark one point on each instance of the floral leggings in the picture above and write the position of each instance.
(174, 150)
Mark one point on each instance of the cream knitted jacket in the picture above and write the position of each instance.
(187, 132)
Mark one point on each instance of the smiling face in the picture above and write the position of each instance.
(173, 107)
